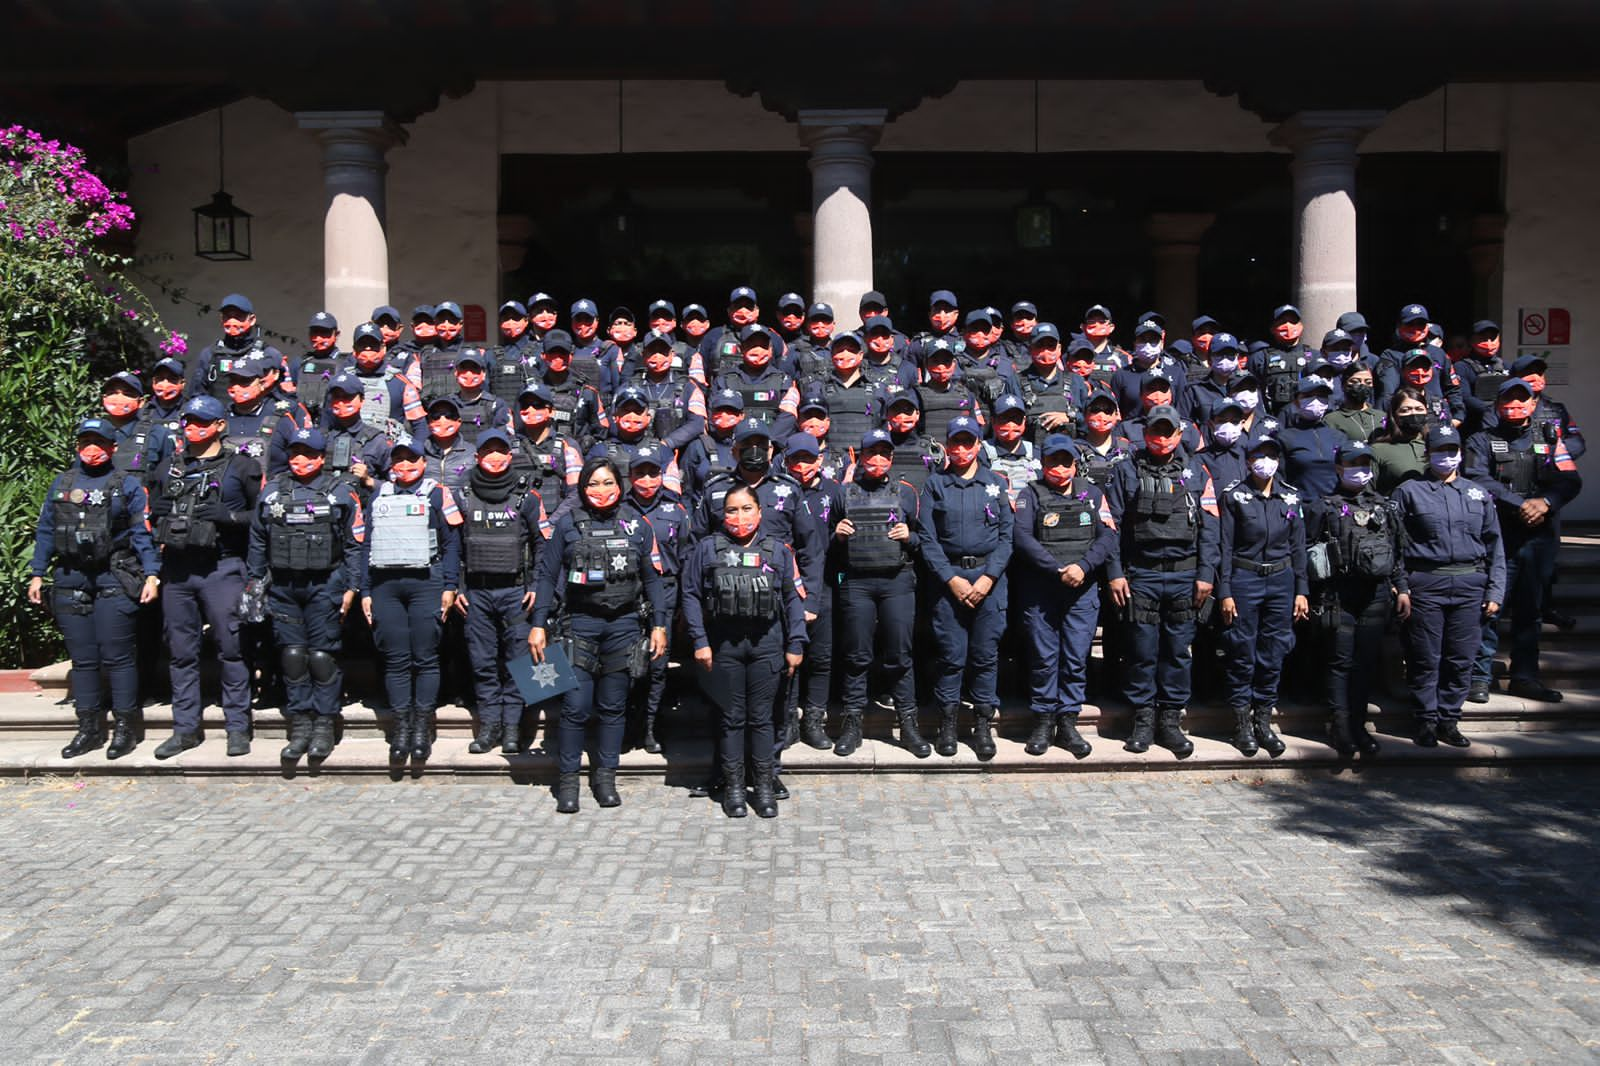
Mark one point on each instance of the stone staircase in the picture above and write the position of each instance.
(36, 722)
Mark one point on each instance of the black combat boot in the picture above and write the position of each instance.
(1244, 731)
(649, 743)
(177, 744)
(90, 735)
(1264, 735)
(567, 794)
(1144, 727)
(1427, 735)
(946, 743)
(1169, 733)
(511, 739)
(763, 798)
(1067, 736)
(733, 792)
(321, 737)
(814, 729)
(1044, 727)
(238, 742)
(1364, 740)
(910, 736)
(400, 733)
(1339, 734)
(422, 734)
(299, 736)
(1450, 733)
(489, 734)
(983, 732)
(849, 736)
(603, 783)
(124, 734)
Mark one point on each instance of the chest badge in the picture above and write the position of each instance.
(992, 490)
(1052, 520)
(96, 497)
(1475, 494)
(277, 509)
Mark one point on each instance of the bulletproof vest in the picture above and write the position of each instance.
(983, 379)
(744, 581)
(438, 372)
(621, 453)
(585, 370)
(1164, 512)
(129, 458)
(941, 406)
(1100, 376)
(724, 355)
(1486, 386)
(1521, 470)
(452, 468)
(872, 512)
(851, 411)
(400, 536)
(604, 574)
(537, 463)
(172, 422)
(494, 538)
(375, 397)
(718, 466)
(476, 417)
(311, 388)
(1018, 469)
(82, 524)
(1064, 522)
(303, 528)
(184, 493)
(509, 377)
(1280, 378)
(671, 411)
(884, 376)
(1363, 531)
(813, 363)
(344, 446)
(254, 444)
(1096, 468)
(566, 397)
(1045, 397)
(222, 360)
(915, 459)
(761, 396)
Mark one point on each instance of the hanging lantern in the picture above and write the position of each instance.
(221, 230)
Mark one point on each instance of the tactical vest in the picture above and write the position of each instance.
(872, 512)
(885, 377)
(509, 378)
(438, 372)
(1522, 471)
(1363, 536)
(400, 536)
(1279, 379)
(585, 370)
(223, 359)
(303, 528)
(813, 363)
(743, 581)
(1046, 397)
(1486, 386)
(603, 576)
(851, 411)
(915, 460)
(716, 465)
(344, 446)
(375, 398)
(725, 353)
(983, 378)
(129, 458)
(1096, 468)
(566, 398)
(537, 464)
(184, 492)
(942, 406)
(81, 521)
(311, 387)
(1017, 468)
(1063, 523)
(1165, 512)
(256, 444)
(476, 417)
(669, 399)
(621, 453)
(494, 538)
(761, 396)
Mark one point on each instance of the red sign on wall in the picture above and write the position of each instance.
(474, 324)
(1551, 326)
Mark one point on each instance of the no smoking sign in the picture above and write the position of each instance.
(1549, 326)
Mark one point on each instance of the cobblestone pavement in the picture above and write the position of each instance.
(896, 919)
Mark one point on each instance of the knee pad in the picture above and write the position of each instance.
(323, 667)
(293, 661)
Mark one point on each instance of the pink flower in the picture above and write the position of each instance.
(175, 345)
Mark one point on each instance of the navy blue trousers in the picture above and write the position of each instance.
(1442, 639)
(197, 592)
(751, 668)
(1059, 623)
(406, 627)
(305, 611)
(1160, 638)
(600, 696)
(1529, 569)
(496, 629)
(885, 608)
(1260, 638)
(100, 628)
(969, 644)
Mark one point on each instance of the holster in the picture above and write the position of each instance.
(129, 574)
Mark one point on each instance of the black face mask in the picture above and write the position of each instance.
(753, 457)
(1411, 425)
(1358, 394)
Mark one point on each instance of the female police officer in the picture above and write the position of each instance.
(93, 529)
(1262, 585)
(413, 566)
(742, 607)
(599, 569)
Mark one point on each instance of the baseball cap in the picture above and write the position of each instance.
(558, 340)
(97, 427)
(124, 377)
(1057, 443)
(1224, 405)
(695, 311)
(753, 330)
(1204, 320)
(1147, 326)
(976, 316)
(310, 437)
(585, 307)
(517, 308)
(1486, 325)
(444, 401)
(1443, 435)
(650, 455)
(792, 299)
(367, 331)
(1008, 403)
(962, 424)
(1413, 313)
(1337, 336)
(1164, 412)
(631, 394)
(1353, 451)
(801, 444)
(813, 400)
(386, 312)
(1514, 383)
(820, 310)
(1225, 342)
(237, 302)
(1024, 307)
(1042, 332)
(205, 409)
(876, 436)
(1312, 383)
(169, 365)
(541, 299)
(742, 293)
(1526, 363)
(538, 391)
(251, 366)
(655, 338)
(942, 296)
(472, 357)
(1098, 309)
(1080, 344)
(728, 399)
(346, 383)
(873, 299)
(422, 311)
(1351, 321)
(661, 307)
(493, 436)
(752, 427)
(1285, 309)
(447, 309)
(322, 320)
(849, 335)
(877, 324)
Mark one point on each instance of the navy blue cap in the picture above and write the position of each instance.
(814, 399)
(422, 311)
(444, 401)
(1417, 355)
(97, 427)
(386, 311)
(541, 298)
(517, 308)
(346, 383)
(695, 311)
(727, 399)
(1080, 343)
(876, 436)
(1101, 394)
(310, 437)
(1008, 403)
(1525, 363)
(977, 315)
(942, 296)
(654, 455)
(1182, 347)
(1224, 405)
(1311, 383)
(1203, 320)
(1044, 331)
(848, 335)
(170, 365)
(238, 302)
(493, 436)
(1351, 321)
(820, 310)
(962, 424)
(661, 307)
(1261, 436)
(1164, 412)
(405, 442)
(447, 308)
(537, 390)
(910, 396)
(1413, 313)
(792, 299)
(559, 340)
(1514, 383)
(754, 329)
(878, 322)
(1057, 443)
(1486, 325)
(1224, 342)
(1352, 451)
(752, 427)
(1148, 325)
(656, 338)
(1257, 346)
(1098, 309)
(1240, 379)
(1153, 316)
(205, 409)
(251, 366)
(939, 350)
(873, 299)
(124, 377)
(1285, 309)
(472, 357)
(802, 444)
(743, 292)
(1435, 331)
(585, 307)
(1024, 307)
(621, 314)
(1156, 375)
(367, 331)
(631, 394)
(322, 320)
(1337, 336)
(1443, 435)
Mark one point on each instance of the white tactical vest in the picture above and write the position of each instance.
(400, 537)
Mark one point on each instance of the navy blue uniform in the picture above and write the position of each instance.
(783, 515)
(208, 373)
(877, 590)
(1262, 555)
(812, 684)
(1308, 453)
(669, 519)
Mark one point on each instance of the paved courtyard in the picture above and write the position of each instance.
(1015, 918)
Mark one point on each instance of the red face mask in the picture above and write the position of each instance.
(1009, 430)
(94, 454)
(582, 328)
(546, 320)
(1288, 332)
(804, 468)
(1412, 334)
(658, 360)
(1155, 398)
(820, 329)
(633, 421)
(344, 406)
(1102, 421)
(201, 433)
(742, 525)
(406, 471)
(961, 456)
(1203, 341)
(558, 361)
(444, 428)
(303, 465)
(756, 358)
(724, 419)
(845, 360)
(535, 416)
(1487, 349)
(790, 322)
(903, 421)
(941, 372)
(1516, 410)
(494, 463)
(817, 427)
(1048, 356)
(1161, 447)
(877, 465)
(602, 497)
(120, 404)
(469, 378)
(424, 331)
(245, 393)
(1081, 367)
(369, 359)
(1058, 475)
(166, 388)
(645, 486)
(623, 332)
(1098, 330)
(977, 340)
(1418, 375)
(943, 320)
(512, 328)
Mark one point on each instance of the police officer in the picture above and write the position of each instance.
(944, 319)
(1054, 395)
(579, 410)
(1017, 341)
(309, 375)
(1280, 366)
(943, 396)
(1009, 452)
(711, 454)
(1456, 575)
(620, 349)
(549, 460)
(1263, 589)
(767, 388)
(241, 338)
(356, 450)
(663, 509)
(719, 345)
(587, 340)
(916, 454)
(1096, 327)
(201, 506)
(877, 602)
(390, 398)
(852, 400)
(165, 406)
(696, 324)
(742, 606)
(965, 540)
(450, 459)
(511, 364)
(1148, 358)
(632, 428)
(257, 426)
(811, 686)
(1064, 537)
(1481, 371)
(1532, 479)
(542, 312)
(138, 441)
(1355, 417)
(602, 576)
(307, 536)
(413, 570)
(811, 350)
(387, 319)
(1354, 554)
(1309, 444)
(1205, 393)
(93, 533)
(791, 317)
(1156, 390)
(423, 334)
(982, 367)
(1551, 416)
(834, 456)
(480, 409)
(438, 359)
(500, 542)
(1398, 366)
(663, 319)
(875, 320)
(888, 369)
(676, 400)
(1105, 444)
(1165, 505)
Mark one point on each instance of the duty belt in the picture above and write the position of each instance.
(1448, 569)
(492, 581)
(1264, 569)
(1167, 565)
(969, 562)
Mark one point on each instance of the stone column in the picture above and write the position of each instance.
(1324, 169)
(1175, 254)
(841, 196)
(355, 247)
